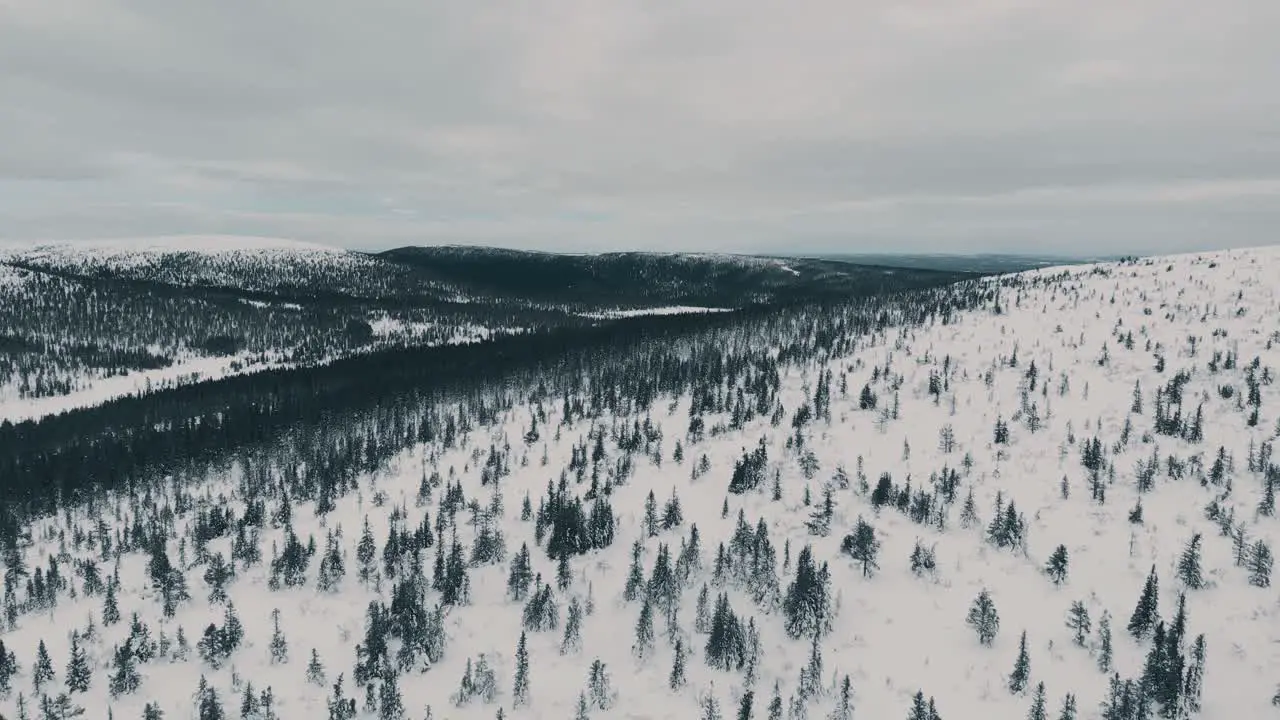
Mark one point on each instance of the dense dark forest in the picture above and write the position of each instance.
(68, 321)
(406, 393)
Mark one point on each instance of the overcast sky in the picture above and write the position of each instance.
(1066, 126)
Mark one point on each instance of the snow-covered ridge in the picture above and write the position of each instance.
(202, 244)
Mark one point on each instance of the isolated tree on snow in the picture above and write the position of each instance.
(810, 684)
(366, 553)
(983, 618)
(1037, 711)
(1056, 568)
(644, 630)
(1260, 564)
(844, 706)
(78, 671)
(42, 672)
(1068, 711)
(125, 678)
(862, 546)
(1021, 667)
(650, 515)
(672, 515)
(1105, 650)
(923, 559)
(969, 512)
(520, 686)
(807, 604)
(635, 576)
(921, 709)
(1189, 564)
(726, 643)
(279, 646)
(599, 687)
(520, 575)
(775, 703)
(1147, 610)
(711, 706)
(572, 638)
(340, 706)
(1193, 682)
(745, 706)
(677, 677)
(1078, 621)
(315, 670)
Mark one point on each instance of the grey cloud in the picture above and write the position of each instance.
(739, 125)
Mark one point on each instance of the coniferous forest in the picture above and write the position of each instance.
(1047, 494)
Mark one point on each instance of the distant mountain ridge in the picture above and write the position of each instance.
(451, 273)
(84, 321)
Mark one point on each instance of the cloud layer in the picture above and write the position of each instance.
(751, 125)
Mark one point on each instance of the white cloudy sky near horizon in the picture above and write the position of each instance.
(1057, 127)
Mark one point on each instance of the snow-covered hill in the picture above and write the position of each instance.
(247, 263)
(1113, 415)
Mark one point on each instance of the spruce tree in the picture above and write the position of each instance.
(643, 644)
(919, 708)
(1078, 621)
(983, 618)
(711, 706)
(1147, 610)
(521, 575)
(862, 546)
(110, 606)
(340, 706)
(844, 706)
(1056, 568)
(1189, 564)
(806, 604)
(520, 686)
(572, 638)
(745, 706)
(635, 576)
(42, 671)
(1106, 653)
(125, 678)
(676, 679)
(279, 646)
(8, 668)
(1193, 683)
(598, 686)
(315, 670)
(1021, 667)
(78, 671)
(775, 703)
(1068, 711)
(390, 701)
(366, 553)
(810, 685)
(969, 512)
(1037, 711)
(1260, 564)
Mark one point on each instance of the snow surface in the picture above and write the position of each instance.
(95, 389)
(639, 312)
(894, 633)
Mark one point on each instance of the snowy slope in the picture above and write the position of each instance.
(894, 633)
